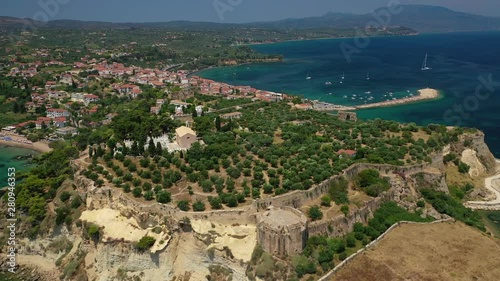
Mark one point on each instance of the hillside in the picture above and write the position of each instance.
(421, 18)
(427, 252)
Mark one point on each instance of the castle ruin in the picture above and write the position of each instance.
(282, 231)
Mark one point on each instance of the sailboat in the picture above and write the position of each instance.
(368, 76)
(424, 65)
(308, 77)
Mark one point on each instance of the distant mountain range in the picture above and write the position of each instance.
(421, 18)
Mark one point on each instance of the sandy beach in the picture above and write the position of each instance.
(37, 146)
(424, 94)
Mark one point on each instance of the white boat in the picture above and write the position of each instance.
(368, 76)
(345, 97)
(328, 83)
(343, 76)
(368, 92)
(424, 65)
(308, 77)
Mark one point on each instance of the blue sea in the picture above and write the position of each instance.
(8, 159)
(465, 68)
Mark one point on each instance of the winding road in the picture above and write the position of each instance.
(492, 204)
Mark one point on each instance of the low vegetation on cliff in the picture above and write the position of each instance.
(322, 253)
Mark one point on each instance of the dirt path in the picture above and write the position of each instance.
(489, 184)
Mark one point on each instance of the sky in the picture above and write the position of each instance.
(228, 11)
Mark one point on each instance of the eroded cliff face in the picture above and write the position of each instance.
(179, 252)
(474, 152)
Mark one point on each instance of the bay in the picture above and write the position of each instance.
(460, 62)
(8, 159)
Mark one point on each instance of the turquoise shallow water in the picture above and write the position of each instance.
(7, 160)
(393, 65)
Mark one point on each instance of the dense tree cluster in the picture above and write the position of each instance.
(271, 150)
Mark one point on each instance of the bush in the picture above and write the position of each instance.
(446, 204)
(315, 213)
(149, 195)
(338, 191)
(183, 205)
(420, 203)
(61, 214)
(463, 168)
(370, 182)
(93, 231)
(137, 192)
(198, 206)
(215, 203)
(76, 202)
(325, 201)
(344, 209)
(303, 266)
(359, 236)
(145, 243)
(164, 197)
(351, 241)
(65, 196)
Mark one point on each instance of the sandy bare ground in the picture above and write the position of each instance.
(491, 184)
(424, 94)
(38, 146)
(442, 251)
(45, 267)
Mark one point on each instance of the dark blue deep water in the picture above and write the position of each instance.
(393, 64)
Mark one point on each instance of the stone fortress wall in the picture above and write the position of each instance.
(283, 240)
(297, 198)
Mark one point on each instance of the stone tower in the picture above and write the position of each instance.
(282, 231)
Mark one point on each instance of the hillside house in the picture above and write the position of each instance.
(185, 137)
(232, 115)
(57, 112)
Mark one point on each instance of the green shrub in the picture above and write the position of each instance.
(338, 191)
(446, 204)
(65, 196)
(315, 213)
(325, 201)
(198, 206)
(183, 205)
(145, 243)
(420, 203)
(93, 231)
(345, 210)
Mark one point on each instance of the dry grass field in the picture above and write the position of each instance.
(441, 252)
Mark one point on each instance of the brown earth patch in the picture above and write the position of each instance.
(443, 251)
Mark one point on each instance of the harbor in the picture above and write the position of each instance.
(424, 94)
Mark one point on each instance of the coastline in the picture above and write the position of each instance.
(37, 146)
(326, 38)
(424, 94)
